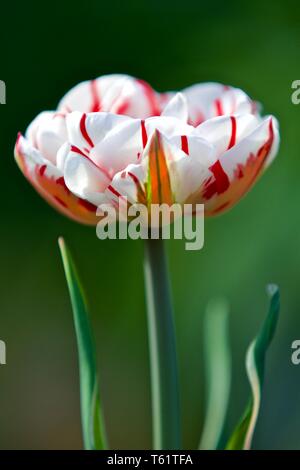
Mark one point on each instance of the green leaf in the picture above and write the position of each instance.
(217, 361)
(255, 365)
(91, 416)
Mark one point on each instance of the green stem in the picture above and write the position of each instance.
(163, 360)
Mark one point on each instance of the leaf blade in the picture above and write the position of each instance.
(92, 427)
(217, 360)
(242, 436)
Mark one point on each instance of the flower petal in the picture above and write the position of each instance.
(84, 178)
(130, 184)
(189, 170)
(237, 169)
(49, 183)
(168, 126)
(208, 100)
(117, 93)
(149, 182)
(166, 174)
(226, 131)
(47, 133)
(177, 107)
(120, 147)
(87, 130)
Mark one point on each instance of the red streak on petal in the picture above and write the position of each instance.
(84, 131)
(221, 178)
(220, 183)
(144, 133)
(198, 120)
(96, 103)
(134, 177)
(219, 107)
(80, 152)
(87, 205)
(184, 144)
(123, 107)
(150, 95)
(60, 201)
(42, 169)
(114, 191)
(264, 150)
(233, 133)
(62, 183)
(77, 150)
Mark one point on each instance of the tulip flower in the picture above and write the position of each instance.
(117, 138)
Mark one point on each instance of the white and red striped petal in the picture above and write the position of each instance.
(129, 183)
(49, 183)
(209, 100)
(85, 131)
(226, 131)
(166, 173)
(236, 170)
(83, 178)
(47, 133)
(118, 94)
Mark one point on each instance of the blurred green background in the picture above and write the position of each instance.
(46, 48)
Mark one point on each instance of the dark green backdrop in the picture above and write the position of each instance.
(46, 48)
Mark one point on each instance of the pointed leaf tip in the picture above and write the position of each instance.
(242, 436)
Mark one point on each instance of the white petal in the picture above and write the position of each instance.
(177, 107)
(207, 100)
(187, 172)
(31, 130)
(33, 158)
(225, 131)
(235, 172)
(249, 147)
(120, 94)
(120, 147)
(47, 133)
(49, 182)
(84, 179)
(168, 126)
(125, 183)
(61, 156)
(87, 130)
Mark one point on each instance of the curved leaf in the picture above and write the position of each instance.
(92, 423)
(217, 360)
(255, 364)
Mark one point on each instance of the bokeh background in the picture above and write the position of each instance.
(45, 50)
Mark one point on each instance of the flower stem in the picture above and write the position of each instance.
(163, 360)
